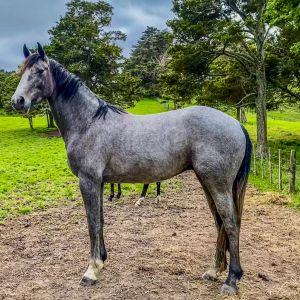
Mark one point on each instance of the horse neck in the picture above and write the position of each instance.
(74, 115)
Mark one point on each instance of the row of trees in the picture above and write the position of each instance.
(222, 53)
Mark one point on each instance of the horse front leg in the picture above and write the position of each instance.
(112, 192)
(92, 195)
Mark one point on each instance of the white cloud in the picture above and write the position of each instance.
(142, 18)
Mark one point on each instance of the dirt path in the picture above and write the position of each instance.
(155, 251)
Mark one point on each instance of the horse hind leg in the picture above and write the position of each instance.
(119, 191)
(222, 241)
(143, 194)
(158, 197)
(231, 228)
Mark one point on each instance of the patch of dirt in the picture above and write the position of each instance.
(156, 251)
(53, 134)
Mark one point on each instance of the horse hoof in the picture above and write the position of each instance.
(110, 198)
(210, 275)
(228, 290)
(158, 199)
(85, 281)
(139, 202)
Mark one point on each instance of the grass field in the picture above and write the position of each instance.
(284, 134)
(148, 106)
(34, 173)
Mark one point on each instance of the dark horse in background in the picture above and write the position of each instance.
(105, 144)
(142, 197)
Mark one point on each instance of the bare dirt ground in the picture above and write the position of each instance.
(156, 251)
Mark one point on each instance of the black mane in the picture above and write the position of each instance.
(104, 107)
(67, 84)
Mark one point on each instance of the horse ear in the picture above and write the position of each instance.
(41, 51)
(26, 51)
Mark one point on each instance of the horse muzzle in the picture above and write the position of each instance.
(19, 104)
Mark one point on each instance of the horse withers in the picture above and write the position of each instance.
(106, 144)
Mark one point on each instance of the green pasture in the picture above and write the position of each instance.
(148, 106)
(284, 134)
(34, 173)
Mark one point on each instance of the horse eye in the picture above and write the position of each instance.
(40, 71)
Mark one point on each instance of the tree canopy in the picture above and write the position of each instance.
(205, 31)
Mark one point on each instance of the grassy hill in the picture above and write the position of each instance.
(34, 173)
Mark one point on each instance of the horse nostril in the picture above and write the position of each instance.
(21, 101)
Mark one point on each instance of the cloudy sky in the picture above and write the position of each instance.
(28, 21)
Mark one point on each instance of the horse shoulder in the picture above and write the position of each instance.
(86, 156)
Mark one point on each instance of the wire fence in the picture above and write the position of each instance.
(276, 168)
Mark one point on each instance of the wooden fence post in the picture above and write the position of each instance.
(279, 171)
(293, 171)
(254, 160)
(270, 165)
(262, 162)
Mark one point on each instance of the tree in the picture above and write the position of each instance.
(3, 75)
(125, 89)
(82, 43)
(147, 56)
(284, 51)
(8, 85)
(176, 87)
(205, 30)
(227, 86)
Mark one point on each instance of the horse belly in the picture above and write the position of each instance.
(145, 170)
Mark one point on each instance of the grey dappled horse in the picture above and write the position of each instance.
(105, 144)
(143, 194)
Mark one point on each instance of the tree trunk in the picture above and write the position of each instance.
(175, 105)
(47, 116)
(51, 120)
(261, 110)
(238, 113)
(30, 122)
(243, 116)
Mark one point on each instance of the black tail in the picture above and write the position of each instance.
(240, 183)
